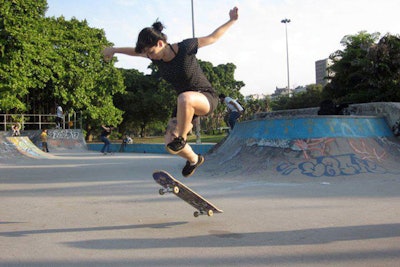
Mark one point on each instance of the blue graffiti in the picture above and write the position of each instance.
(331, 166)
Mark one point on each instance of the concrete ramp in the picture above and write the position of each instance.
(29, 144)
(68, 140)
(61, 140)
(24, 146)
(310, 146)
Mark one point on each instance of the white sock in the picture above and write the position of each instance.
(192, 164)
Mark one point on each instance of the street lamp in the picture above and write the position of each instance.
(192, 18)
(286, 21)
(197, 120)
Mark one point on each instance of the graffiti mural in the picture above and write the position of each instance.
(26, 147)
(331, 166)
(357, 156)
(365, 151)
(309, 147)
(320, 145)
(64, 134)
(66, 139)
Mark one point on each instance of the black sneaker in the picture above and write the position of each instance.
(189, 169)
(176, 145)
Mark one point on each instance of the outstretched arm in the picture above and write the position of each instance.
(109, 52)
(213, 37)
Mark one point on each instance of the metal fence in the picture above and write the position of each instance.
(40, 121)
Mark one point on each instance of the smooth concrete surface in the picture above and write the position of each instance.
(86, 209)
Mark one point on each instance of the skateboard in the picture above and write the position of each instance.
(171, 185)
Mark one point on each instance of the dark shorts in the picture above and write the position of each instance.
(213, 100)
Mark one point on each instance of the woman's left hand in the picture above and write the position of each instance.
(233, 13)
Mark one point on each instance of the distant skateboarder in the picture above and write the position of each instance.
(104, 136)
(177, 64)
(43, 138)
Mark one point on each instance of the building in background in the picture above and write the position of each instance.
(281, 91)
(321, 71)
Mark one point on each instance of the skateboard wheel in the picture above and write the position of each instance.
(196, 214)
(161, 191)
(176, 189)
(210, 213)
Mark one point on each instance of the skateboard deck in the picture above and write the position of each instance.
(171, 185)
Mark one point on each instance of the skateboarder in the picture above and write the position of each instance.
(104, 136)
(177, 64)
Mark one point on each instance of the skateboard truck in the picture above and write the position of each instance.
(198, 213)
(167, 190)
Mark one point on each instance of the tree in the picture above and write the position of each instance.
(366, 70)
(81, 79)
(20, 22)
(384, 68)
(148, 101)
(255, 105)
(47, 60)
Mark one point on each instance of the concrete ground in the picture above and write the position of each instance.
(87, 209)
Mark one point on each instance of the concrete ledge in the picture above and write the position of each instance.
(313, 127)
(390, 110)
(148, 148)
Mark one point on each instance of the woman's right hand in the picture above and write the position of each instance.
(108, 53)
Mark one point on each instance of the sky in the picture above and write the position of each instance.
(256, 43)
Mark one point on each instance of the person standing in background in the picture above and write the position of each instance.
(59, 116)
(43, 138)
(15, 129)
(234, 108)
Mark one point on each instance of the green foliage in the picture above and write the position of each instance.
(309, 98)
(368, 69)
(384, 68)
(47, 60)
(147, 101)
(254, 105)
(81, 79)
(19, 21)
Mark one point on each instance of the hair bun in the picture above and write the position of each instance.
(158, 26)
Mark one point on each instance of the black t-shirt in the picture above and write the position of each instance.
(105, 133)
(183, 71)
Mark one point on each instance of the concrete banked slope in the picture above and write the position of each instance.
(308, 146)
